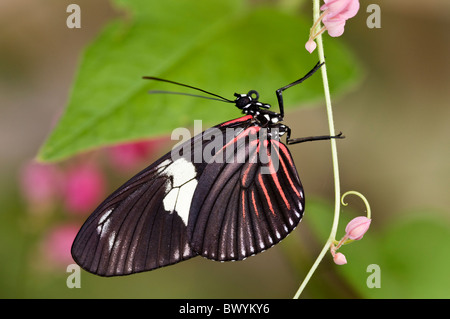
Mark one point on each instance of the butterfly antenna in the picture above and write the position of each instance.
(187, 94)
(219, 98)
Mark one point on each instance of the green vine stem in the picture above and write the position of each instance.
(337, 191)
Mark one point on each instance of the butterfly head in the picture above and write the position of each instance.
(250, 105)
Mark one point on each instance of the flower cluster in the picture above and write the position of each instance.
(76, 187)
(355, 230)
(335, 14)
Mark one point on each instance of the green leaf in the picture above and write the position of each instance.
(224, 46)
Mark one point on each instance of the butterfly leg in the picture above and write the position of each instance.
(279, 92)
(290, 140)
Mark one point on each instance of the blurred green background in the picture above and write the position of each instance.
(396, 121)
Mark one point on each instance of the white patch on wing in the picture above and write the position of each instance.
(277, 234)
(186, 251)
(105, 215)
(182, 174)
(162, 165)
(184, 200)
(111, 240)
(181, 171)
(103, 223)
(171, 199)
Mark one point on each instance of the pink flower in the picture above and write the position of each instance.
(339, 259)
(355, 230)
(84, 188)
(357, 227)
(58, 242)
(41, 185)
(335, 14)
(341, 9)
(335, 27)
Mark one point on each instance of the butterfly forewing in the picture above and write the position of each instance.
(132, 230)
(143, 224)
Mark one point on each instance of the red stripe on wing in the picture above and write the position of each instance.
(254, 203)
(274, 176)
(283, 148)
(251, 159)
(238, 120)
(266, 194)
(243, 203)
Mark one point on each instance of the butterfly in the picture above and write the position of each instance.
(226, 194)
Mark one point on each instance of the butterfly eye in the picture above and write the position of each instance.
(243, 101)
(253, 95)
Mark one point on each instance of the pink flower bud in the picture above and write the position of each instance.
(310, 45)
(357, 227)
(339, 259)
(84, 189)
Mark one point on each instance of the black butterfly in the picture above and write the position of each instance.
(233, 205)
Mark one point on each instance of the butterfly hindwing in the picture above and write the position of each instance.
(245, 205)
(143, 224)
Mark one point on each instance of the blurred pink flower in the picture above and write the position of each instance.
(84, 188)
(130, 155)
(335, 14)
(58, 242)
(40, 185)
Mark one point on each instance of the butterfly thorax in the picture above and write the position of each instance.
(250, 105)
